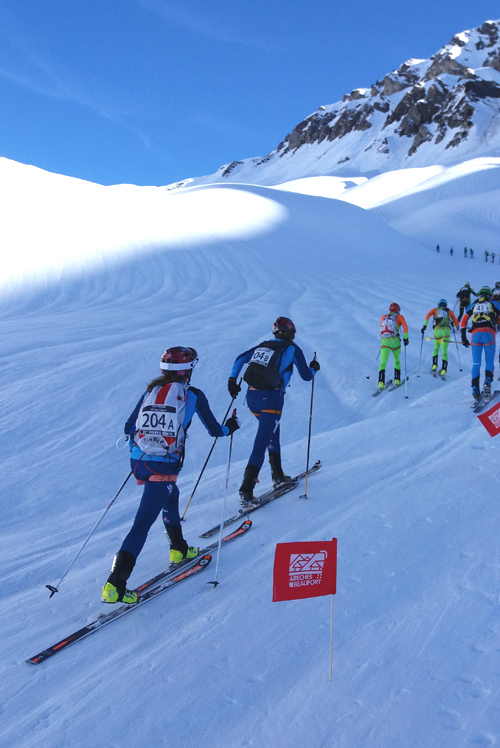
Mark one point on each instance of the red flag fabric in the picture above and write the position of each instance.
(306, 569)
(491, 420)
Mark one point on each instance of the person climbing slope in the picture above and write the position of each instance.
(157, 429)
(464, 297)
(444, 318)
(484, 315)
(270, 367)
(391, 341)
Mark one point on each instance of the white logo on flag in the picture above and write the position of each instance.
(306, 569)
(495, 418)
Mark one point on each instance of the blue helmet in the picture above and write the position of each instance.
(442, 304)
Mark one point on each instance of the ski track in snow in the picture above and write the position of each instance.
(409, 487)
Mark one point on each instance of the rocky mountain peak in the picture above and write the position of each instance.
(426, 111)
(423, 100)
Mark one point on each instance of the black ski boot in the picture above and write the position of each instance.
(247, 498)
(434, 364)
(115, 590)
(444, 368)
(488, 378)
(278, 476)
(179, 549)
(381, 379)
(475, 389)
(397, 377)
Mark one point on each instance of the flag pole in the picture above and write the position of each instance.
(331, 640)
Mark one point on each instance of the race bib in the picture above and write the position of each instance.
(158, 420)
(261, 356)
(482, 308)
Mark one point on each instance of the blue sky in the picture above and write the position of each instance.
(153, 91)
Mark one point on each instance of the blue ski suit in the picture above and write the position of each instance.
(267, 405)
(484, 315)
(159, 474)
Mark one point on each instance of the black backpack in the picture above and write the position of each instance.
(263, 371)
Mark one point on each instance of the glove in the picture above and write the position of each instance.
(314, 365)
(423, 329)
(233, 424)
(465, 341)
(405, 341)
(233, 387)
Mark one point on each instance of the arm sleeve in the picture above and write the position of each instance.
(454, 319)
(300, 362)
(206, 416)
(242, 359)
(402, 322)
(130, 424)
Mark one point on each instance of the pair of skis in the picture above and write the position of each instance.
(172, 576)
(437, 374)
(264, 499)
(147, 591)
(390, 386)
(484, 400)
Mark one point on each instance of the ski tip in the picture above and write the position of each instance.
(34, 660)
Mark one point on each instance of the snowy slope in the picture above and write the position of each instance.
(455, 206)
(408, 485)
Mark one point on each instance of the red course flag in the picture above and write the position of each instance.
(491, 420)
(305, 570)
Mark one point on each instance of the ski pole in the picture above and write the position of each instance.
(52, 589)
(406, 378)
(458, 350)
(304, 495)
(376, 359)
(206, 461)
(215, 582)
(420, 358)
(457, 342)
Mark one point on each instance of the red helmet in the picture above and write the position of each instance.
(283, 324)
(394, 308)
(179, 359)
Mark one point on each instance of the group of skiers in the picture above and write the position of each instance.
(470, 253)
(157, 428)
(481, 317)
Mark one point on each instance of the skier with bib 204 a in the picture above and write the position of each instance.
(441, 329)
(157, 428)
(270, 366)
(484, 315)
(391, 341)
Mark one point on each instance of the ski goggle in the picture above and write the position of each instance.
(168, 366)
